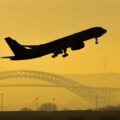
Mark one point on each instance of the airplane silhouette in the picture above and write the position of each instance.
(59, 46)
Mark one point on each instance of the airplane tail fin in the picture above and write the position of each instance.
(17, 49)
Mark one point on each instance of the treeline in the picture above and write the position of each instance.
(110, 108)
(43, 107)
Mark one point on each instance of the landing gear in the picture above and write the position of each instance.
(65, 52)
(96, 41)
(65, 55)
(54, 55)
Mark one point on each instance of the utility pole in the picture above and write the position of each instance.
(112, 98)
(53, 109)
(53, 100)
(96, 103)
(36, 100)
(2, 95)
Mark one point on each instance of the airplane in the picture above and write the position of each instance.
(59, 46)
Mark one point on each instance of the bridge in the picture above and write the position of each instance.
(90, 94)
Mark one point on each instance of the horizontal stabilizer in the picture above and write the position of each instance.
(14, 57)
(8, 57)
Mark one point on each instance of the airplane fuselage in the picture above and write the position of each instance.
(68, 41)
(74, 41)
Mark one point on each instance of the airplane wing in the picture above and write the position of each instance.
(60, 46)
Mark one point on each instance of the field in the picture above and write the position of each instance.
(61, 115)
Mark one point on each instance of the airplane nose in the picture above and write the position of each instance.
(104, 30)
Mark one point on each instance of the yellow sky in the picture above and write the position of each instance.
(41, 21)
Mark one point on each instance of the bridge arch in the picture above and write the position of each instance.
(49, 77)
(88, 93)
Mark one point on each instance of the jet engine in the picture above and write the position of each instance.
(77, 46)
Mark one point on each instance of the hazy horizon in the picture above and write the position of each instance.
(16, 98)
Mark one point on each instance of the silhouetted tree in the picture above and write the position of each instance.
(48, 107)
(25, 109)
